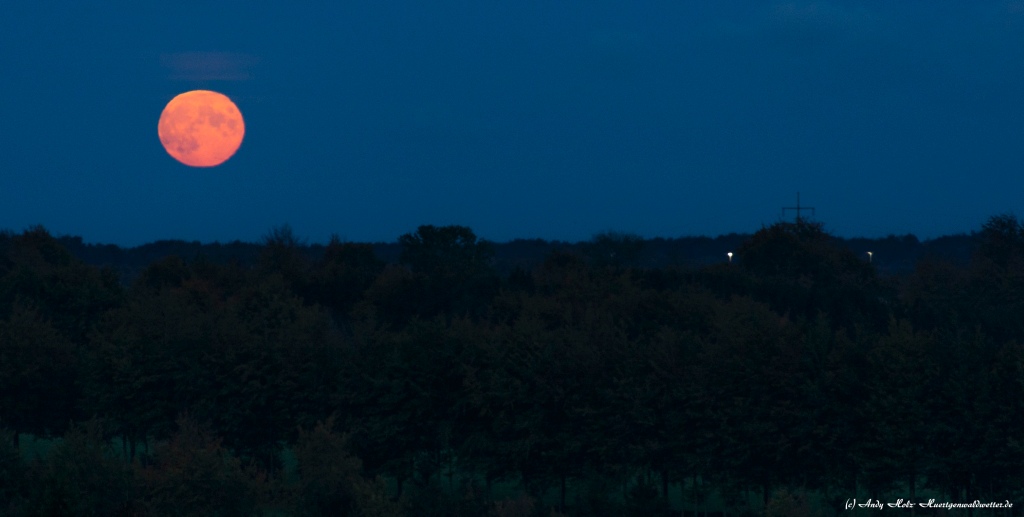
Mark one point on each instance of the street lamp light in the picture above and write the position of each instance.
(869, 257)
(730, 256)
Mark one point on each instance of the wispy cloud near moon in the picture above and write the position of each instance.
(209, 66)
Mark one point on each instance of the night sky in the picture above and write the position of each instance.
(520, 119)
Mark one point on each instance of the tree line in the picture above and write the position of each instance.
(350, 385)
(894, 254)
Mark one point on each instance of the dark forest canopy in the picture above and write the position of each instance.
(618, 376)
(895, 254)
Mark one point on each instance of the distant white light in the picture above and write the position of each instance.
(869, 256)
(730, 256)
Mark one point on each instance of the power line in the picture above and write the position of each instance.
(798, 208)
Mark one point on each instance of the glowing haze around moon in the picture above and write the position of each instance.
(201, 128)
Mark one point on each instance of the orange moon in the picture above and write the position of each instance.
(201, 128)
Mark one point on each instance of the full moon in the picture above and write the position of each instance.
(201, 128)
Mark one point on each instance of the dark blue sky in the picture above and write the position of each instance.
(550, 119)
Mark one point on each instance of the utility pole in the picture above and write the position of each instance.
(798, 208)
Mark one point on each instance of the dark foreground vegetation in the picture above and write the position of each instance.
(783, 383)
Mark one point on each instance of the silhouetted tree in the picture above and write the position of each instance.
(903, 379)
(13, 475)
(80, 476)
(997, 279)
(1000, 419)
(406, 399)
(614, 249)
(331, 480)
(453, 268)
(39, 375)
(282, 254)
(391, 301)
(799, 270)
(343, 275)
(145, 366)
(37, 271)
(962, 404)
(937, 295)
(1001, 241)
(755, 377)
(194, 475)
(268, 367)
(167, 273)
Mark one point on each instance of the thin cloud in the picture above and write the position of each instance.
(805, 23)
(209, 66)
